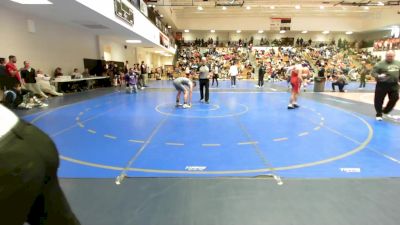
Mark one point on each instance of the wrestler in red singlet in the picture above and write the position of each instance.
(295, 81)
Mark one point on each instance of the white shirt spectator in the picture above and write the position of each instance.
(233, 70)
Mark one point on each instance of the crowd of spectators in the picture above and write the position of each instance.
(339, 65)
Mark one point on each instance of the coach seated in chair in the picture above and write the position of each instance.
(29, 76)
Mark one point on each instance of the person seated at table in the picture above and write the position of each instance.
(43, 80)
(86, 73)
(58, 72)
(76, 74)
(65, 86)
(339, 80)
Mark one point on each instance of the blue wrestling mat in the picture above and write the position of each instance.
(237, 134)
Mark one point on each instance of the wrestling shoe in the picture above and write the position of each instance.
(378, 118)
(186, 106)
(291, 106)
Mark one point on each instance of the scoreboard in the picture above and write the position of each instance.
(280, 24)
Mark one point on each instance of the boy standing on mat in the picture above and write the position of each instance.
(295, 82)
(185, 85)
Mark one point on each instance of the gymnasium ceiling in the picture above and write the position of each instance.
(248, 8)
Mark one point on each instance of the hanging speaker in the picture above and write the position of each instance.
(31, 26)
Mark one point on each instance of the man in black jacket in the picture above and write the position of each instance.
(261, 72)
(28, 74)
(3, 74)
(143, 74)
(29, 187)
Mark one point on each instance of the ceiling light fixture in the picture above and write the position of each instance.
(212, 31)
(248, 7)
(199, 8)
(133, 41)
(260, 31)
(224, 8)
(272, 7)
(238, 31)
(297, 7)
(282, 31)
(349, 32)
(186, 31)
(366, 8)
(321, 7)
(381, 4)
(304, 32)
(33, 2)
(325, 32)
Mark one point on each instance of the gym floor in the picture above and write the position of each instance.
(240, 155)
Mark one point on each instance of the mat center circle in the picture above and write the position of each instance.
(202, 110)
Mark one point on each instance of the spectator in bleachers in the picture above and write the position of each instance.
(28, 74)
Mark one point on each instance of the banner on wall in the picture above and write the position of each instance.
(280, 23)
(387, 44)
(143, 8)
(164, 40)
(123, 11)
(178, 36)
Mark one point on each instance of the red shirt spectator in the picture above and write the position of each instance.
(11, 68)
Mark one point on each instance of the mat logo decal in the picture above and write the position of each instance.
(350, 170)
(195, 168)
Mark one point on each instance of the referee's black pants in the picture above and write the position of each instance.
(381, 90)
(204, 87)
(261, 80)
(29, 187)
